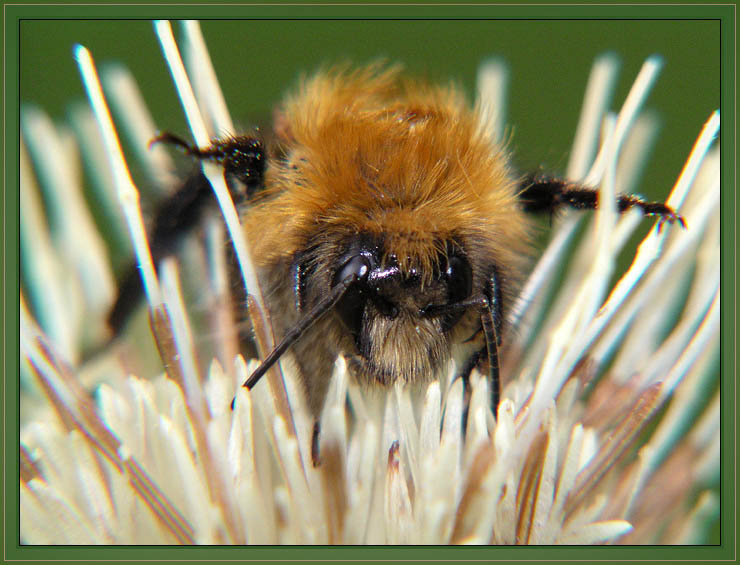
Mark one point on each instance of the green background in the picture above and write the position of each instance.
(549, 60)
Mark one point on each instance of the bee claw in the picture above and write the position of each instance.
(172, 139)
(671, 217)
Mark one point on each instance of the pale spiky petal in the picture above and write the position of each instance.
(596, 532)
(138, 124)
(493, 77)
(128, 194)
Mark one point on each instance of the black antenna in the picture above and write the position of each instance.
(318, 311)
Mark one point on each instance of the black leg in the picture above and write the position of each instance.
(242, 157)
(547, 194)
(492, 321)
(492, 339)
(491, 355)
(489, 305)
(491, 317)
(174, 218)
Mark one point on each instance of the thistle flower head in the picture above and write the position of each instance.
(601, 435)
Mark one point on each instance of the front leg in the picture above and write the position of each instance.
(548, 194)
(491, 316)
(242, 157)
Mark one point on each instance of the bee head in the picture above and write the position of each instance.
(385, 308)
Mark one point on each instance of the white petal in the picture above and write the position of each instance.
(596, 532)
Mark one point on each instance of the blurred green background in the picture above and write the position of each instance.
(256, 61)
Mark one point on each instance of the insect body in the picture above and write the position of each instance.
(387, 227)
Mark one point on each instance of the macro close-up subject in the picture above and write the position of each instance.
(367, 316)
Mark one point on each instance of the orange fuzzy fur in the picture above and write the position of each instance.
(375, 154)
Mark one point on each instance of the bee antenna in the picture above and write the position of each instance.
(295, 333)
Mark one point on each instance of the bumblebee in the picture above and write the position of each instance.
(385, 225)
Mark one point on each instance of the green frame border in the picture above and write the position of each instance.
(13, 13)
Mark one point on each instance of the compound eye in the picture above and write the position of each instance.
(358, 265)
(459, 277)
(352, 305)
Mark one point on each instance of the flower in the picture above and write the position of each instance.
(601, 436)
